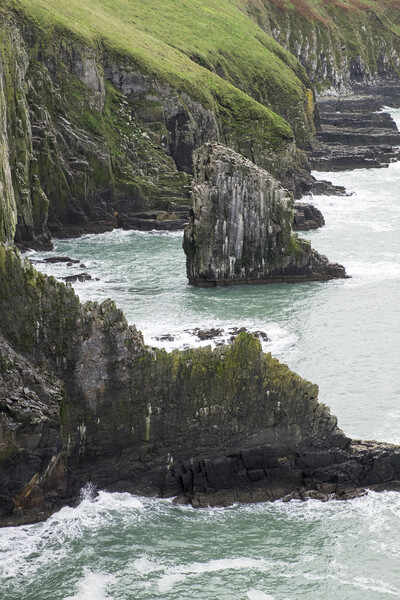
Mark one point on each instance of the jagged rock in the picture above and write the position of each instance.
(240, 231)
(77, 277)
(83, 399)
(60, 259)
(352, 136)
(306, 217)
(326, 188)
(213, 333)
(160, 220)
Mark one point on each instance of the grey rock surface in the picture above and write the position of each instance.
(240, 231)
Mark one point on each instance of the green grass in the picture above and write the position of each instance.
(208, 48)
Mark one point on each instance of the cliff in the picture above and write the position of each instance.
(82, 399)
(101, 107)
(240, 230)
(340, 44)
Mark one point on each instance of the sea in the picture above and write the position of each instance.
(343, 335)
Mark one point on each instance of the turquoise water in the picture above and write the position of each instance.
(343, 335)
(123, 547)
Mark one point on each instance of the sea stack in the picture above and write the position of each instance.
(240, 229)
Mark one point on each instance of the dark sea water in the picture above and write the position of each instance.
(343, 335)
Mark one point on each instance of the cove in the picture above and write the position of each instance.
(343, 335)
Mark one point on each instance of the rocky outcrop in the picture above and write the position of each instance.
(339, 44)
(240, 231)
(353, 134)
(82, 399)
(306, 217)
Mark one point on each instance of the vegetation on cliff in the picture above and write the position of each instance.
(83, 399)
(103, 103)
(194, 47)
(339, 42)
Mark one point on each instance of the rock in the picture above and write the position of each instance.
(60, 259)
(208, 334)
(240, 231)
(353, 135)
(306, 217)
(78, 277)
(261, 335)
(233, 332)
(165, 338)
(321, 187)
(89, 402)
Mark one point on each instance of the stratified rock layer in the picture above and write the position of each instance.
(240, 231)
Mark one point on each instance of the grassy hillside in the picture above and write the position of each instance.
(197, 47)
(324, 11)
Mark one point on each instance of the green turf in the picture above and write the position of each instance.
(208, 48)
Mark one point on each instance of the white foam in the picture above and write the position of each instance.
(27, 550)
(373, 271)
(258, 595)
(167, 582)
(373, 585)
(144, 566)
(93, 586)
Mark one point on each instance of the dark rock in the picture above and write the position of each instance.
(87, 401)
(306, 217)
(322, 187)
(60, 259)
(165, 338)
(208, 334)
(159, 220)
(77, 277)
(213, 333)
(353, 135)
(240, 231)
(261, 335)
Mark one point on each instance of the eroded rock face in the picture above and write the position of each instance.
(82, 399)
(240, 231)
(353, 134)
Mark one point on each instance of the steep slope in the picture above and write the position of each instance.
(102, 106)
(181, 43)
(339, 42)
(82, 399)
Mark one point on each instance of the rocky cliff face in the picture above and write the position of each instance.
(340, 45)
(240, 231)
(74, 157)
(92, 140)
(82, 399)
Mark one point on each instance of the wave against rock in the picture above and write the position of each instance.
(83, 399)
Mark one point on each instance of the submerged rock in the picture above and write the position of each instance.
(78, 277)
(60, 259)
(240, 230)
